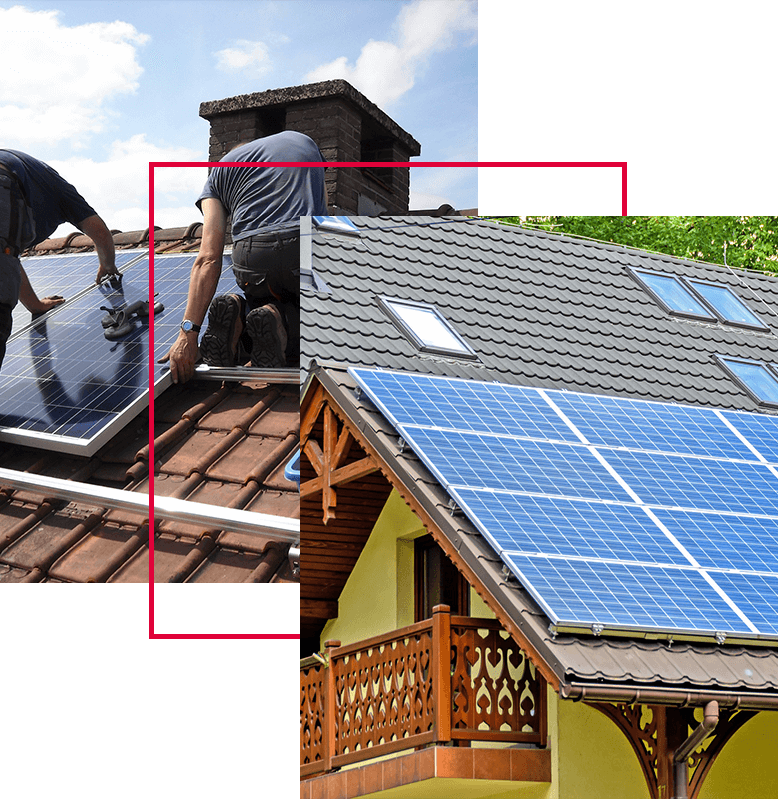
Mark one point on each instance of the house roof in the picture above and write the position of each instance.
(539, 310)
(224, 445)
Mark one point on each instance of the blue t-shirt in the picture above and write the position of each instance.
(263, 199)
(52, 199)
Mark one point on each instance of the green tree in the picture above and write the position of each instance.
(749, 242)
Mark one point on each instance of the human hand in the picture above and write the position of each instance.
(46, 304)
(105, 272)
(183, 356)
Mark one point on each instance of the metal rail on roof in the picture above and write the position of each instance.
(165, 508)
(205, 372)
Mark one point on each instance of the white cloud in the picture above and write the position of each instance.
(118, 187)
(57, 80)
(249, 57)
(384, 70)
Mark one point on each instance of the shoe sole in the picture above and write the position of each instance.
(215, 345)
(267, 351)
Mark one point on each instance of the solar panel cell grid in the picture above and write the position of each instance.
(520, 524)
(756, 595)
(636, 424)
(62, 377)
(589, 592)
(706, 484)
(723, 541)
(467, 405)
(479, 461)
(759, 429)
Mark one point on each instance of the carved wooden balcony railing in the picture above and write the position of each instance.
(446, 679)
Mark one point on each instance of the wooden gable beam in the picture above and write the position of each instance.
(330, 455)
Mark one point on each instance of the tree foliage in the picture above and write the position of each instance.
(746, 241)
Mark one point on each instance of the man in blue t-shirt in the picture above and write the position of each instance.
(265, 204)
(34, 201)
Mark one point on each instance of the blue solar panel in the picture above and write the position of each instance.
(519, 524)
(759, 429)
(639, 424)
(694, 499)
(626, 595)
(66, 275)
(512, 464)
(466, 405)
(63, 382)
(723, 541)
(703, 483)
(755, 594)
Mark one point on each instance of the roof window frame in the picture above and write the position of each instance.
(770, 368)
(690, 281)
(635, 272)
(386, 304)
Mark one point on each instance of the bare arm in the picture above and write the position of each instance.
(97, 230)
(202, 286)
(29, 298)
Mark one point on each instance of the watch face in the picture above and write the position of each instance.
(187, 326)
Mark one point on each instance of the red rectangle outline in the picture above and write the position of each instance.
(622, 165)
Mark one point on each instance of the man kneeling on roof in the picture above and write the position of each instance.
(34, 201)
(265, 203)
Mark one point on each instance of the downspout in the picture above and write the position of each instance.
(681, 754)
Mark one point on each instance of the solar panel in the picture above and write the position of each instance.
(662, 519)
(66, 275)
(639, 424)
(512, 464)
(466, 405)
(63, 385)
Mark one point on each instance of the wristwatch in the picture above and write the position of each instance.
(188, 326)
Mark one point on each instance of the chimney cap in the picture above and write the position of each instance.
(306, 93)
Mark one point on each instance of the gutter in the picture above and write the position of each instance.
(679, 697)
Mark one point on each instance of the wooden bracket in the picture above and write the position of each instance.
(330, 455)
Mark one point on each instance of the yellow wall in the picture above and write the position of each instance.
(591, 757)
(748, 764)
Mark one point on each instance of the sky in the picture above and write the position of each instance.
(99, 89)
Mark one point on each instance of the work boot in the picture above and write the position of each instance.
(218, 344)
(266, 329)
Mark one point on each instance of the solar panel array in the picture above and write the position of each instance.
(627, 514)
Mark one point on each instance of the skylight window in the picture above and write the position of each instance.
(755, 377)
(426, 327)
(727, 305)
(671, 293)
(698, 299)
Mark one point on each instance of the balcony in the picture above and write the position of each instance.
(446, 681)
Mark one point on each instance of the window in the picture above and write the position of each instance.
(672, 295)
(437, 581)
(698, 299)
(727, 305)
(756, 377)
(426, 327)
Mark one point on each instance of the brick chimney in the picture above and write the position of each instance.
(345, 125)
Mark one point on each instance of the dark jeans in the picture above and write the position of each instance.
(5, 327)
(267, 268)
